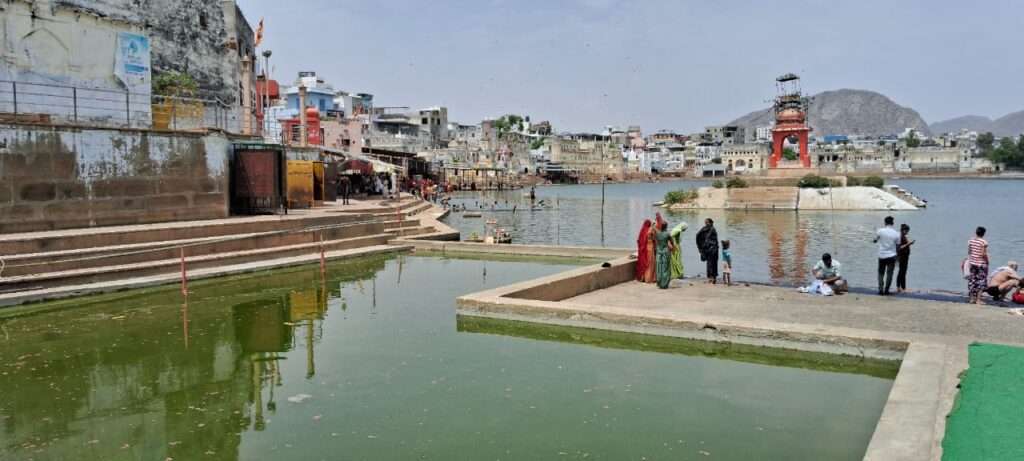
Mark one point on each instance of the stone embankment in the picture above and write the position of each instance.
(38, 266)
(794, 198)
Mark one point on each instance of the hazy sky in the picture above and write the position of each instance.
(679, 65)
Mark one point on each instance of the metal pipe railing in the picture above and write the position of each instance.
(67, 104)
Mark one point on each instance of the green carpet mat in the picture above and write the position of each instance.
(987, 422)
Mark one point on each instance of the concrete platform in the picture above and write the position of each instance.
(930, 338)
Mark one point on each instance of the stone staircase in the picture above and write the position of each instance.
(48, 260)
(763, 198)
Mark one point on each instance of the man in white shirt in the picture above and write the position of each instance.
(888, 240)
(828, 277)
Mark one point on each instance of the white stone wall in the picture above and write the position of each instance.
(47, 49)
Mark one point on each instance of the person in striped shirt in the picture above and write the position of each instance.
(977, 258)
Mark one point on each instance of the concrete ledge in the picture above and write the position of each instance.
(518, 250)
(912, 424)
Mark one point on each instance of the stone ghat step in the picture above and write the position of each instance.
(74, 239)
(393, 224)
(58, 261)
(68, 291)
(414, 231)
(414, 209)
(170, 266)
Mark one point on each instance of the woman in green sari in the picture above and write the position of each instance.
(663, 248)
(677, 253)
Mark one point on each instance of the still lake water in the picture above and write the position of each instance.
(779, 247)
(372, 363)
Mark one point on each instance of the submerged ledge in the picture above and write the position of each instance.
(610, 339)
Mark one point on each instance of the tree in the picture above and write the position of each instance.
(1008, 153)
(985, 143)
(912, 140)
(789, 154)
(173, 83)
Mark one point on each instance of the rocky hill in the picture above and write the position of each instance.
(978, 123)
(1007, 125)
(852, 112)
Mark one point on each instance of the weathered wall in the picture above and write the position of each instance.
(47, 49)
(64, 177)
(58, 38)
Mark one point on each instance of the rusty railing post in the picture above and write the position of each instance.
(14, 91)
(184, 276)
(323, 257)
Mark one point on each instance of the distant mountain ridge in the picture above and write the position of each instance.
(1008, 125)
(849, 112)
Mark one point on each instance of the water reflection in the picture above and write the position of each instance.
(116, 385)
(369, 361)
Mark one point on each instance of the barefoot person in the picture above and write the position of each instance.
(903, 258)
(664, 245)
(726, 263)
(828, 277)
(977, 259)
(888, 241)
(641, 250)
(707, 245)
(678, 271)
(1003, 281)
(651, 275)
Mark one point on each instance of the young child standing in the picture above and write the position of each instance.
(726, 263)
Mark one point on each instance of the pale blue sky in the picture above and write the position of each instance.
(677, 65)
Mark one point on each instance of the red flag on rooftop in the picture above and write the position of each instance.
(259, 33)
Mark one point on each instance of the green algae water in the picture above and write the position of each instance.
(371, 362)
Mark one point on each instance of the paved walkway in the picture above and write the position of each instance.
(945, 322)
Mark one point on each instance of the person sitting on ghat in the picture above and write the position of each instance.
(1004, 280)
(828, 278)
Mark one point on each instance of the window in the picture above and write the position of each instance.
(423, 122)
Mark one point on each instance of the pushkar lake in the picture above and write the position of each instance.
(371, 362)
(778, 247)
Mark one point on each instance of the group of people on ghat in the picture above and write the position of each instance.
(894, 257)
(659, 260)
(659, 252)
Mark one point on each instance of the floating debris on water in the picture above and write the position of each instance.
(299, 398)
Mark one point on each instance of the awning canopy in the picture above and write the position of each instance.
(356, 166)
(377, 166)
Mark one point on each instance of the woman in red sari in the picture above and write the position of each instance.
(642, 253)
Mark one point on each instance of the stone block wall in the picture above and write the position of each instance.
(54, 177)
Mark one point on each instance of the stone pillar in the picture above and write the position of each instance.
(778, 140)
(805, 154)
(248, 124)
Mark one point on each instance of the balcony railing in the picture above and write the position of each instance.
(72, 105)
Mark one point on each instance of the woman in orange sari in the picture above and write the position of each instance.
(642, 251)
(650, 274)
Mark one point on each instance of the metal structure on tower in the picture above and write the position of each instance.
(790, 120)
